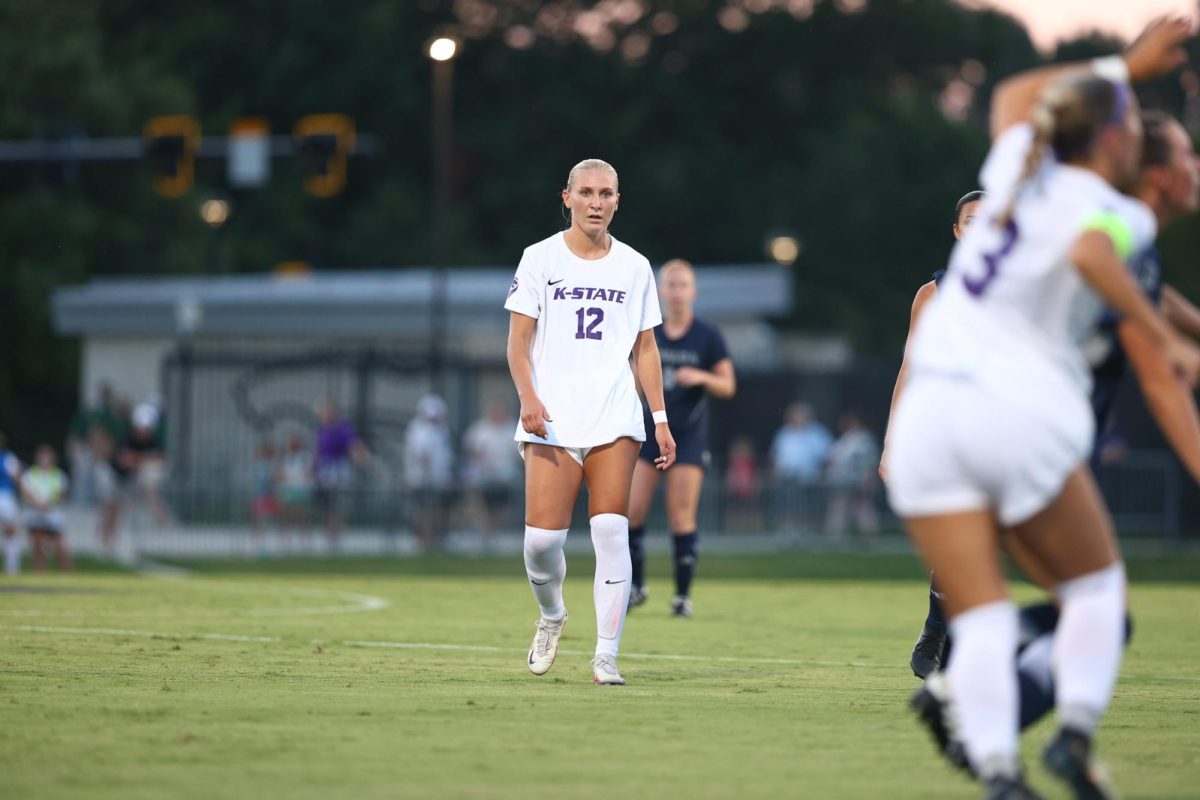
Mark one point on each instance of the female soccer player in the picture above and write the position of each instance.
(994, 429)
(696, 364)
(1170, 187)
(927, 654)
(583, 304)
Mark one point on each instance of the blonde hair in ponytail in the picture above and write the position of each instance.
(1068, 117)
(1043, 119)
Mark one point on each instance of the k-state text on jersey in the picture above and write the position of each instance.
(588, 293)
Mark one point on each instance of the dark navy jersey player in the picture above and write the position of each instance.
(927, 653)
(701, 347)
(696, 366)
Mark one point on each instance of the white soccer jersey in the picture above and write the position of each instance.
(588, 315)
(1013, 311)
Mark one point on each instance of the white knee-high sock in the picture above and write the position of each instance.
(1087, 648)
(546, 566)
(12, 555)
(614, 571)
(983, 686)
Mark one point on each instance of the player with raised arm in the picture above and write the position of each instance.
(1169, 185)
(696, 364)
(993, 429)
(583, 309)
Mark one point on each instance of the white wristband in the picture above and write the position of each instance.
(1113, 68)
(659, 417)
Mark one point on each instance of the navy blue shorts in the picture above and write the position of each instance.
(688, 450)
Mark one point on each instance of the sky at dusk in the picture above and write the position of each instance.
(1051, 20)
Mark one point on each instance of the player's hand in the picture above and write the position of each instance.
(1159, 48)
(883, 467)
(534, 417)
(687, 377)
(666, 446)
(1184, 357)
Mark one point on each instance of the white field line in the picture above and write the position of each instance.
(353, 603)
(229, 637)
(223, 637)
(356, 603)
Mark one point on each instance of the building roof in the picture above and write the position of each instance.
(385, 302)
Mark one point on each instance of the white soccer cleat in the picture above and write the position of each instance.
(545, 644)
(604, 671)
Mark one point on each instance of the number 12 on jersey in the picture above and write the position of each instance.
(597, 316)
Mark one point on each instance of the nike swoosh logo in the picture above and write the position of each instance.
(615, 582)
(531, 658)
(555, 283)
(543, 583)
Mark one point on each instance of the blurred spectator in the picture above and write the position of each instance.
(797, 456)
(146, 458)
(264, 507)
(339, 449)
(492, 466)
(851, 475)
(103, 415)
(10, 476)
(429, 469)
(743, 487)
(295, 488)
(44, 489)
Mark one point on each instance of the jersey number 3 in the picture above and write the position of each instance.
(597, 315)
(992, 261)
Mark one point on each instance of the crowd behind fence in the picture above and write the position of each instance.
(299, 449)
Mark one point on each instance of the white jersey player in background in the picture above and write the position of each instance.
(994, 428)
(583, 307)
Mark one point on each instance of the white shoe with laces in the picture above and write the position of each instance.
(545, 644)
(604, 671)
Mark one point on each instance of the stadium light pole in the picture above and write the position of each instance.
(441, 51)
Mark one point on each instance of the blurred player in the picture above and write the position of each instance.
(1170, 187)
(993, 430)
(44, 489)
(10, 476)
(583, 304)
(696, 363)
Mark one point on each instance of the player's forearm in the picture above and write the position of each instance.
(901, 377)
(1168, 398)
(1180, 312)
(1098, 264)
(520, 366)
(1172, 407)
(649, 375)
(718, 385)
(1014, 98)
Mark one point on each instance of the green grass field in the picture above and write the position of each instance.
(407, 679)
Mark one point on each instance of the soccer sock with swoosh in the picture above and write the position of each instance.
(614, 571)
(546, 566)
